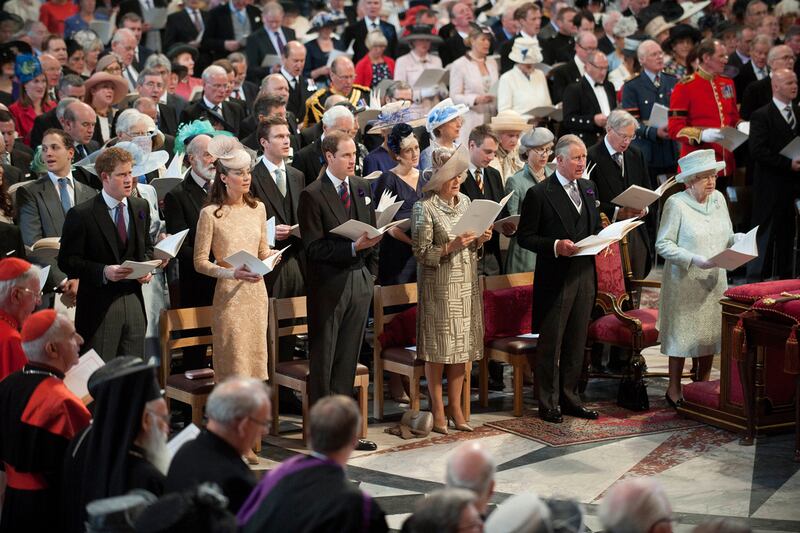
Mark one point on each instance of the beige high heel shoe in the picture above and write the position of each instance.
(451, 418)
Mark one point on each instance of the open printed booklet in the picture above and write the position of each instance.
(77, 378)
(636, 197)
(353, 229)
(742, 251)
(253, 263)
(480, 215)
(387, 208)
(168, 248)
(594, 244)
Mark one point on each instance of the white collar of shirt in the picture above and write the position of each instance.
(744, 58)
(651, 75)
(782, 106)
(163, 99)
(336, 181)
(55, 178)
(288, 76)
(198, 180)
(418, 59)
(610, 148)
(554, 25)
(590, 80)
(210, 105)
(111, 203)
(473, 168)
(562, 180)
(523, 34)
(234, 10)
(369, 22)
(462, 34)
(580, 65)
(757, 70)
(272, 166)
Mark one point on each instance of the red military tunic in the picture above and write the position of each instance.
(12, 358)
(702, 101)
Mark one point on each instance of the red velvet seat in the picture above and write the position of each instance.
(609, 329)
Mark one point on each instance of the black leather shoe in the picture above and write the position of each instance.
(551, 415)
(365, 445)
(580, 412)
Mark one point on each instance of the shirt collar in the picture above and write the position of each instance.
(780, 105)
(287, 75)
(523, 34)
(579, 64)
(472, 168)
(272, 166)
(234, 10)
(561, 179)
(369, 21)
(209, 104)
(111, 203)
(743, 57)
(336, 181)
(610, 148)
(198, 180)
(590, 80)
(651, 75)
(55, 178)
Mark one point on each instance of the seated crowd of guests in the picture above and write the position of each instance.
(117, 134)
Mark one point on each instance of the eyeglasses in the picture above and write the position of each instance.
(712, 177)
(542, 151)
(604, 67)
(624, 138)
(588, 49)
(263, 423)
(36, 294)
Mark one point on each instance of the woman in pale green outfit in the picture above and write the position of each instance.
(535, 148)
(695, 225)
(449, 310)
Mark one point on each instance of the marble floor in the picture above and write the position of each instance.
(704, 470)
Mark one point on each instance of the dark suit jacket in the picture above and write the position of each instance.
(41, 124)
(181, 29)
(545, 218)
(735, 61)
(560, 77)
(87, 178)
(209, 458)
(559, 49)
(231, 112)
(259, 45)
(297, 98)
(309, 161)
(310, 134)
(21, 160)
(743, 80)
(580, 107)
(12, 175)
(177, 103)
(219, 29)
(319, 211)
(11, 244)
(452, 49)
(182, 207)
(610, 182)
(492, 190)
(167, 120)
(89, 242)
(776, 183)
(756, 95)
(40, 211)
(357, 33)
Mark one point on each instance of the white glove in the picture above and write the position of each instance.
(738, 237)
(711, 135)
(701, 262)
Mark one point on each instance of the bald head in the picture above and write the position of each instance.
(585, 42)
(784, 85)
(275, 84)
(470, 467)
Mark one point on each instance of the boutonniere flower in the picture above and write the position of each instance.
(361, 193)
(590, 191)
(141, 214)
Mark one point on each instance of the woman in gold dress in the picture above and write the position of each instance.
(450, 314)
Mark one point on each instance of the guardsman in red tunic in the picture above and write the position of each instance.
(704, 102)
(20, 293)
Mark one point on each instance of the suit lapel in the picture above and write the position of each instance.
(266, 182)
(136, 227)
(590, 96)
(590, 203)
(560, 202)
(53, 203)
(358, 195)
(295, 183)
(104, 222)
(334, 202)
(82, 192)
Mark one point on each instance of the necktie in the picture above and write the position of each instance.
(215, 109)
(657, 81)
(241, 16)
(197, 21)
(280, 181)
(479, 178)
(617, 157)
(119, 217)
(205, 186)
(373, 26)
(344, 196)
(82, 151)
(790, 116)
(279, 40)
(63, 192)
(575, 194)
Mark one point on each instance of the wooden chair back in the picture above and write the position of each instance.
(388, 302)
(175, 321)
(506, 281)
(294, 315)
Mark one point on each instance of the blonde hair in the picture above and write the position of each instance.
(375, 38)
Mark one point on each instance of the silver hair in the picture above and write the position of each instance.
(772, 55)
(619, 118)
(7, 286)
(272, 8)
(213, 70)
(641, 50)
(581, 36)
(121, 34)
(332, 115)
(269, 77)
(398, 85)
(761, 39)
(634, 505)
(144, 74)
(194, 146)
(441, 510)
(563, 144)
(61, 109)
(480, 483)
(236, 398)
(237, 57)
(158, 60)
(34, 350)
(88, 40)
(375, 38)
(128, 119)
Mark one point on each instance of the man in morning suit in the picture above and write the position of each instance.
(150, 84)
(777, 179)
(99, 235)
(213, 101)
(759, 93)
(755, 69)
(588, 103)
(268, 40)
(620, 165)
(357, 33)
(340, 285)
(572, 71)
(227, 28)
(185, 26)
(528, 17)
(292, 61)
(557, 213)
(215, 456)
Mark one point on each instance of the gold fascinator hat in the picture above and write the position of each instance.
(229, 152)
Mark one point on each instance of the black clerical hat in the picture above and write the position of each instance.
(198, 510)
(119, 367)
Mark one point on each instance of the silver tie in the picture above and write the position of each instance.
(575, 194)
(280, 181)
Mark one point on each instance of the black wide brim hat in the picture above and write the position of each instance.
(10, 50)
(681, 32)
(119, 367)
(421, 32)
(181, 48)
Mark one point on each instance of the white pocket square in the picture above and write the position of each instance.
(367, 200)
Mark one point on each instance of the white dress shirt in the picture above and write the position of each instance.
(564, 183)
(600, 94)
(111, 204)
(70, 185)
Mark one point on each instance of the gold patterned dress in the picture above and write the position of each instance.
(449, 312)
(239, 327)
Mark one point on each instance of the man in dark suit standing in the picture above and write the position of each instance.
(242, 90)
(340, 285)
(269, 40)
(182, 207)
(212, 104)
(557, 213)
(357, 33)
(505, 27)
(228, 27)
(150, 84)
(741, 55)
(558, 49)
(756, 69)
(134, 21)
(588, 103)
(528, 17)
(185, 26)
(620, 165)
(759, 93)
(572, 71)
(777, 179)
(292, 61)
(99, 236)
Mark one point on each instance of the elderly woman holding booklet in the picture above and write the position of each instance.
(695, 226)
(448, 336)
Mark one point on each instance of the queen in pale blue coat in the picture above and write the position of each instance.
(535, 148)
(695, 226)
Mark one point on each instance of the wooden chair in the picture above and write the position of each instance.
(294, 374)
(516, 351)
(193, 392)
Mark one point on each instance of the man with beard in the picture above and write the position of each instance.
(125, 448)
(39, 418)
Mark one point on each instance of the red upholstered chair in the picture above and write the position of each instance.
(620, 324)
(507, 301)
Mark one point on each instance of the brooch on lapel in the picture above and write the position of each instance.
(141, 214)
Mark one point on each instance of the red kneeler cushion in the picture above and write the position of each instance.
(610, 329)
(751, 292)
(507, 312)
(401, 331)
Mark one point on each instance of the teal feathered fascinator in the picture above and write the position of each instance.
(189, 131)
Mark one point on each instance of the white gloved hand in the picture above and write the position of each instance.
(701, 262)
(744, 127)
(738, 237)
(711, 135)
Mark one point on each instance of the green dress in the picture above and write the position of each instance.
(518, 258)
